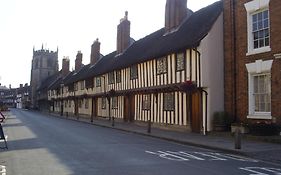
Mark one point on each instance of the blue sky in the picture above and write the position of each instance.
(71, 25)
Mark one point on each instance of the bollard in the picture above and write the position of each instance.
(149, 126)
(237, 139)
(112, 122)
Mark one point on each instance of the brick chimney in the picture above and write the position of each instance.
(123, 34)
(78, 60)
(95, 51)
(175, 13)
(65, 66)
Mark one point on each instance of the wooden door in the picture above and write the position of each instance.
(129, 108)
(196, 112)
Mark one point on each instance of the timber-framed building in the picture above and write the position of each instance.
(172, 77)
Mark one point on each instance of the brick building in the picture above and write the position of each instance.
(253, 59)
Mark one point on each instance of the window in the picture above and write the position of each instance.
(82, 85)
(180, 62)
(258, 26)
(261, 93)
(169, 102)
(103, 103)
(89, 83)
(259, 89)
(111, 79)
(80, 103)
(65, 104)
(76, 86)
(98, 81)
(261, 29)
(134, 72)
(118, 76)
(114, 103)
(162, 65)
(71, 87)
(146, 102)
(69, 103)
(86, 103)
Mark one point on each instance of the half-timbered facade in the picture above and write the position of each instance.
(173, 76)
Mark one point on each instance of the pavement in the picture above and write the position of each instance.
(253, 147)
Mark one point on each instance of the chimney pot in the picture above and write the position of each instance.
(78, 60)
(123, 34)
(95, 51)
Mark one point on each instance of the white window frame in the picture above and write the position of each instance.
(254, 7)
(259, 67)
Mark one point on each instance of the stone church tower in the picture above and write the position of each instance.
(44, 64)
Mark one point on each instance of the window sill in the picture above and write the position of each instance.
(259, 50)
(265, 116)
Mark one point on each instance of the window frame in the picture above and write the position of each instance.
(259, 67)
(134, 72)
(167, 107)
(146, 102)
(253, 7)
(103, 103)
(111, 77)
(118, 76)
(161, 68)
(98, 82)
(184, 62)
(114, 102)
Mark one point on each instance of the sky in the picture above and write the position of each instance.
(70, 25)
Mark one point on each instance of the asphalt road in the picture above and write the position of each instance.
(40, 144)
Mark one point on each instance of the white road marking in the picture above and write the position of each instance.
(2, 170)
(207, 156)
(262, 170)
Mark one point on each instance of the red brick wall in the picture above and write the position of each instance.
(239, 53)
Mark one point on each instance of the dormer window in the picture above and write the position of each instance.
(258, 22)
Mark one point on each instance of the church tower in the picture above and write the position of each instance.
(44, 64)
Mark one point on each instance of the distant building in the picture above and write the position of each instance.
(23, 98)
(7, 97)
(44, 64)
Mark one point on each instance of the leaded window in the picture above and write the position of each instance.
(146, 102)
(114, 103)
(80, 103)
(69, 103)
(162, 65)
(169, 102)
(118, 76)
(103, 103)
(98, 81)
(89, 83)
(86, 103)
(262, 93)
(260, 22)
(134, 72)
(82, 85)
(180, 62)
(111, 79)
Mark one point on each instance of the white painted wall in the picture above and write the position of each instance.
(212, 72)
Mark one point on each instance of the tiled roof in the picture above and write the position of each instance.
(157, 44)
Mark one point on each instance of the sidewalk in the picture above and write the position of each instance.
(270, 152)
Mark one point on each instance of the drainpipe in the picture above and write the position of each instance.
(206, 112)
(233, 9)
